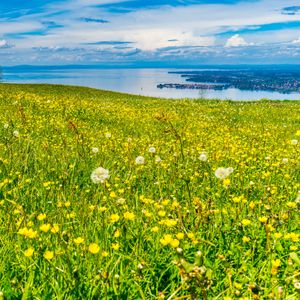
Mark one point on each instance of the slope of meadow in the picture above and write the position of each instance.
(196, 199)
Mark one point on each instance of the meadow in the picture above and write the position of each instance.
(114, 196)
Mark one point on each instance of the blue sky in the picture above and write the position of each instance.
(153, 32)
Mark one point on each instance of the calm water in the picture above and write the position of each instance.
(133, 81)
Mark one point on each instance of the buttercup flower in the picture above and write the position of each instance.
(94, 248)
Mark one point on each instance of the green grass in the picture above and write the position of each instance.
(165, 229)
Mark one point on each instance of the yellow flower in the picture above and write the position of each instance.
(167, 239)
(113, 195)
(129, 216)
(115, 246)
(276, 263)
(67, 204)
(48, 255)
(41, 217)
(55, 228)
(245, 239)
(170, 222)
(29, 252)
(251, 204)
(161, 213)
(27, 232)
(292, 204)
(174, 243)
(114, 218)
(45, 227)
(246, 222)
(191, 235)
(102, 209)
(263, 219)
(180, 235)
(94, 248)
(32, 234)
(104, 253)
(79, 240)
(155, 229)
(277, 235)
(117, 233)
(226, 182)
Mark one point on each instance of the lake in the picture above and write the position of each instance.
(133, 81)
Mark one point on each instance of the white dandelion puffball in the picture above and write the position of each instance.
(108, 135)
(230, 170)
(285, 160)
(5, 126)
(203, 157)
(16, 133)
(294, 142)
(99, 175)
(95, 150)
(158, 159)
(152, 149)
(140, 160)
(222, 173)
(121, 201)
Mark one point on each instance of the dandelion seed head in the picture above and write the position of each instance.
(95, 150)
(140, 160)
(203, 157)
(294, 142)
(99, 175)
(16, 133)
(152, 149)
(222, 173)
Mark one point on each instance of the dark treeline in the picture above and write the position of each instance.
(284, 81)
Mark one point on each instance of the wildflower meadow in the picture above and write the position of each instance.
(114, 196)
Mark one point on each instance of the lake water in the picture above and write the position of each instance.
(133, 81)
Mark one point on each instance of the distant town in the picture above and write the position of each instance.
(283, 81)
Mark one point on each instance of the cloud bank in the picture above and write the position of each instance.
(105, 31)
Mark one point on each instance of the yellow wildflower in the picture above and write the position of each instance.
(79, 240)
(94, 248)
(29, 252)
(45, 227)
(129, 216)
(246, 222)
(41, 217)
(114, 218)
(48, 255)
(115, 246)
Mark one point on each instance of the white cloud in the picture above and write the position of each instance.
(236, 41)
(182, 31)
(3, 44)
(297, 41)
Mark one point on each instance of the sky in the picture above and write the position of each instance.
(149, 32)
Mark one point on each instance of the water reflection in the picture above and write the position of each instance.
(133, 81)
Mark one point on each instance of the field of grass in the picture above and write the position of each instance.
(195, 199)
